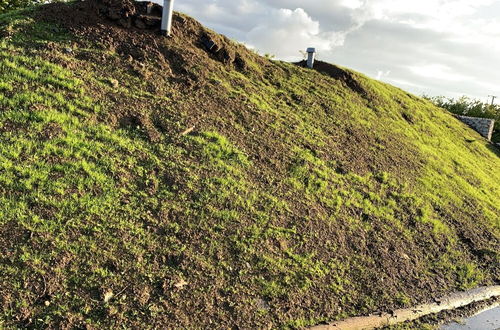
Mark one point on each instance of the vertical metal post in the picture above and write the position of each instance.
(166, 17)
(493, 97)
(311, 53)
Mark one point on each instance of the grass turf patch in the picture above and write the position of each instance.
(298, 196)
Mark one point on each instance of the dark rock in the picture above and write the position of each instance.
(155, 10)
(240, 63)
(151, 21)
(226, 56)
(114, 15)
(210, 45)
(139, 23)
(149, 8)
(126, 22)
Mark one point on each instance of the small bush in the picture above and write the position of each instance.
(466, 106)
(6, 5)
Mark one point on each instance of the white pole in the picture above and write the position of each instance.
(311, 53)
(166, 17)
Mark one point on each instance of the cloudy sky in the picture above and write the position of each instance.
(436, 47)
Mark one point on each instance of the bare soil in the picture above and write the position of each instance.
(378, 260)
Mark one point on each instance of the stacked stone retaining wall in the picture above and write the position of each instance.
(483, 126)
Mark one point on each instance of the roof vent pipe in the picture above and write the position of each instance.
(166, 17)
(311, 54)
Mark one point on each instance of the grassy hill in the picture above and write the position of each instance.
(148, 182)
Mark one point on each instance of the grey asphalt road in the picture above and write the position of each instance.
(486, 320)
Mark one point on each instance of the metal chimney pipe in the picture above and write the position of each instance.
(311, 54)
(166, 17)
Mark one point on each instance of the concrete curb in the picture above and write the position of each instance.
(455, 300)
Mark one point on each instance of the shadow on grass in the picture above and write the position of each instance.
(494, 148)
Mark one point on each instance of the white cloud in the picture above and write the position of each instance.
(449, 46)
(293, 31)
(437, 71)
(382, 74)
(352, 4)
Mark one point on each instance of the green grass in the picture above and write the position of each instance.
(294, 201)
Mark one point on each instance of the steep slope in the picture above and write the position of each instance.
(150, 182)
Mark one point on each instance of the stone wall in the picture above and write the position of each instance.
(483, 126)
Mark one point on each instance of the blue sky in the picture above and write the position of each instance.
(436, 47)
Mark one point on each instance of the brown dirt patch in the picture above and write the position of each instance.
(115, 24)
(382, 260)
(51, 131)
(339, 74)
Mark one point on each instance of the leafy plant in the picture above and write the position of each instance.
(6, 5)
(466, 106)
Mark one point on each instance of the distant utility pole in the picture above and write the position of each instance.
(493, 97)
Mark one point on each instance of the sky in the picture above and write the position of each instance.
(432, 47)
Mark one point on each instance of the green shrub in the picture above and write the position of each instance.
(466, 106)
(6, 5)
